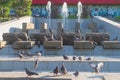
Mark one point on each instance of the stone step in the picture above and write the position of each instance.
(48, 63)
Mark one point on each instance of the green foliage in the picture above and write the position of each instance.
(5, 8)
(117, 18)
(72, 17)
(21, 8)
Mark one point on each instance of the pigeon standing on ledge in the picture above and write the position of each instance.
(30, 73)
(65, 57)
(76, 73)
(56, 70)
(63, 69)
(74, 57)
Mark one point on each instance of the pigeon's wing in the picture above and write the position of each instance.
(92, 65)
(31, 73)
(100, 65)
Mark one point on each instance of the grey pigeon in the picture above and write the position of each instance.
(20, 54)
(36, 63)
(65, 57)
(63, 69)
(30, 73)
(76, 73)
(56, 70)
(97, 67)
(80, 58)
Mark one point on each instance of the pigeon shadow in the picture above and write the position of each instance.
(101, 77)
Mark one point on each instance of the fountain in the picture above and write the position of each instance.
(48, 7)
(79, 11)
(64, 13)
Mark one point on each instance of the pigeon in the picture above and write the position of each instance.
(97, 67)
(36, 63)
(76, 73)
(80, 58)
(21, 55)
(88, 58)
(56, 70)
(39, 53)
(65, 57)
(63, 69)
(30, 73)
(74, 57)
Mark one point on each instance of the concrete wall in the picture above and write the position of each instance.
(110, 26)
(67, 50)
(12, 25)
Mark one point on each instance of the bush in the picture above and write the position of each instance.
(117, 18)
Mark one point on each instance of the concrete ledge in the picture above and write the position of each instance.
(97, 37)
(41, 76)
(111, 44)
(27, 26)
(53, 44)
(83, 45)
(23, 44)
(38, 37)
(10, 37)
(2, 44)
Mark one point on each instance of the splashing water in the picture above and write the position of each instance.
(48, 8)
(64, 13)
(79, 11)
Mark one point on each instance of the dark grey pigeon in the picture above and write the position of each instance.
(65, 57)
(74, 57)
(56, 70)
(76, 73)
(20, 54)
(30, 73)
(88, 58)
(63, 69)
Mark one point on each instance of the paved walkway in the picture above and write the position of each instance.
(69, 76)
